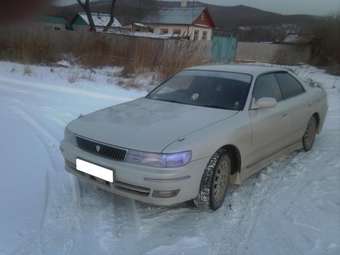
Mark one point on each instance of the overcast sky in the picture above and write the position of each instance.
(319, 7)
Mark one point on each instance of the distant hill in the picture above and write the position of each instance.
(230, 17)
(226, 17)
(126, 11)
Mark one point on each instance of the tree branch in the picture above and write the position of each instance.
(87, 9)
(112, 16)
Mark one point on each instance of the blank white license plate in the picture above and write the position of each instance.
(94, 170)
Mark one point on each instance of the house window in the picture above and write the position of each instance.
(196, 34)
(177, 32)
(205, 35)
(164, 31)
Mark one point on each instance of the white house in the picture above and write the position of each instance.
(192, 23)
(100, 20)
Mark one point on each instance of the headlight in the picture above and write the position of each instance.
(161, 160)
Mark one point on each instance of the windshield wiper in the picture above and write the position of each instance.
(166, 100)
(212, 106)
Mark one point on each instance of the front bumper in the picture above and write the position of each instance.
(146, 184)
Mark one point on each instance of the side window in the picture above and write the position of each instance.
(267, 86)
(164, 31)
(196, 34)
(204, 35)
(290, 87)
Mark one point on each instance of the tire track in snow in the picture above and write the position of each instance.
(32, 240)
(260, 190)
(122, 210)
(52, 206)
(125, 226)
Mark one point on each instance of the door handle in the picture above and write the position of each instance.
(284, 115)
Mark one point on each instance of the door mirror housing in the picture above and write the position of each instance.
(265, 102)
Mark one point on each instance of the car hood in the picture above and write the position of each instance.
(146, 124)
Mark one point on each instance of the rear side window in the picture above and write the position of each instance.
(267, 86)
(290, 87)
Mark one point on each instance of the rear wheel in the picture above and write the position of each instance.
(215, 182)
(310, 133)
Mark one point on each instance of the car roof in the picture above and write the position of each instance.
(252, 69)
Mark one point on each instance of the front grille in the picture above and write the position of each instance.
(101, 149)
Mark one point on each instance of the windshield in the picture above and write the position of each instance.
(222, 90)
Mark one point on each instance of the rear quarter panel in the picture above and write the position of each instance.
(316, 102)
(318, 97)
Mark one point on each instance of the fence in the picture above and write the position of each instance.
(223, 49)
(273, 53)
(34, 44)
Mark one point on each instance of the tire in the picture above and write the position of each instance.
(215, 182)
(310, 134)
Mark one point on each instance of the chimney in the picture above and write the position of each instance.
(184, 3)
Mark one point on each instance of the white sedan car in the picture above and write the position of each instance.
(197, 133)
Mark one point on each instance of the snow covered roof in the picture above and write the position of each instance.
(183, 16)
(298, 39)
(291, 38)
(100, 19)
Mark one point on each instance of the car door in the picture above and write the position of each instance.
(269, 125)
(296, 99)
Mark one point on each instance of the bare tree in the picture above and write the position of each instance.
(112, 16)
(87, 9)
(326, 41)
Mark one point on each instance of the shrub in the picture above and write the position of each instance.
(326, 43)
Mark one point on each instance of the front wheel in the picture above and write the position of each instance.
(310, 134)
(215, 181)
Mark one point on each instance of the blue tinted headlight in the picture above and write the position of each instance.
(161, 160)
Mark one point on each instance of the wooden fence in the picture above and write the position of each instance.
(273, 53)
(33, 44)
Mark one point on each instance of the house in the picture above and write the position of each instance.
(139, 27)
(193, 23)
(81, 23)
(298, 39)
(52, 23)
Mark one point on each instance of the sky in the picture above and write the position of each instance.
(317, 7)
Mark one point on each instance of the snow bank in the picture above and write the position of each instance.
(65, 74)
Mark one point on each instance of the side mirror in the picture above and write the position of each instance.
(265, 102)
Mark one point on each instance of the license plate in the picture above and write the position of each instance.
(94, 170)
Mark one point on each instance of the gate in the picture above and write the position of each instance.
(223, 49)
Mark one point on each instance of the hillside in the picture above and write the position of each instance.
(226, 17)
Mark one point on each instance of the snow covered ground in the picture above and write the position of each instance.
(291, 207)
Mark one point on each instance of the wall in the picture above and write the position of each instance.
(185, 30)
(49, 26)
(272, 53)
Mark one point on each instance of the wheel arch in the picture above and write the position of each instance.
(317, 117)
(236, 160)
